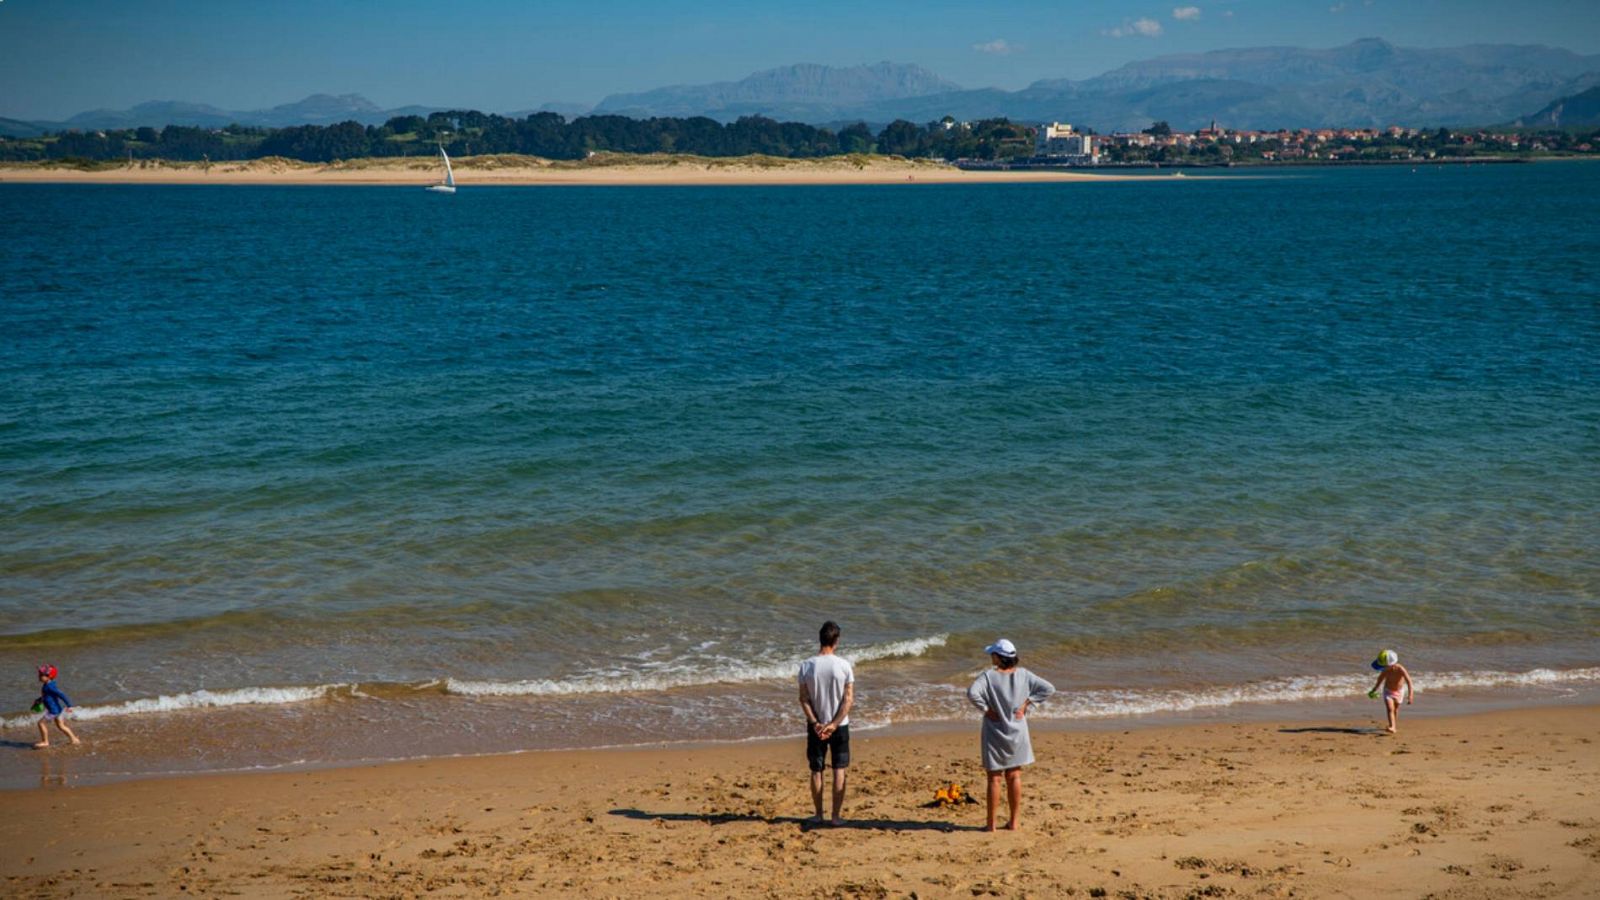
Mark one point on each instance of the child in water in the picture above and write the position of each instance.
(1391, 677)
(52, 706)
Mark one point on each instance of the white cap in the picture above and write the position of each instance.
(1002, 647)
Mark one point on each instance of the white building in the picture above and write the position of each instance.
(1058, 141)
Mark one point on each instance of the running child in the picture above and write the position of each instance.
(53, 706)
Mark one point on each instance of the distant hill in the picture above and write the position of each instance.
(1578, 110)
(805, 92)
(155, 113)
(325, 109)
(566, 110)
(19, 129)
(317, 109)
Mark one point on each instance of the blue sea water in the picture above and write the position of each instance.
(578, 466)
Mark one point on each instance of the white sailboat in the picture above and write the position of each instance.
(448, 186)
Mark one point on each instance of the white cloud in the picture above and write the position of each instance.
(1336, 8)
(1186, 13)
(1227, 14)
(998, 46)
(1143, 26)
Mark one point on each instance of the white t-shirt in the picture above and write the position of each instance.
(825, 676)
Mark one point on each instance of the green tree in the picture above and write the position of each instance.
(406, 124)
(900, 138)
(855, 138)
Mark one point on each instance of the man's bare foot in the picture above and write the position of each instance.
(76, 741)
(1389, 730)
(989, 828)
(1013, 826)
(836, 822)
(40, 745)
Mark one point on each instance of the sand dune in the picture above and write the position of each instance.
(1500, 805)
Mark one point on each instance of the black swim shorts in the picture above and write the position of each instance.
(838, 743)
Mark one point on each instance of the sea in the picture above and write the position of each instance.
(300, 476)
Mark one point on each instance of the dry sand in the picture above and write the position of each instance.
(527, 170)
(1501, 805)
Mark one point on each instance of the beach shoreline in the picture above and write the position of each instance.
(529, 171)
(1476, 805)
(134, 740)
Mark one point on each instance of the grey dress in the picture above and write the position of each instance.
(1005, 743)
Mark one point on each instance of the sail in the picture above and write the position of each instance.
(449, 174)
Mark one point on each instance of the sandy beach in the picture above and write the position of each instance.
(527, 170)
(1492, 805)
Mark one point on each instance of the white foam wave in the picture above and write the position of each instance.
(1082, 704)
(707, 671)
(893, 649)
(1103, 704)
(252, 696)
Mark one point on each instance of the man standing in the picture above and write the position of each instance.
(827, 691)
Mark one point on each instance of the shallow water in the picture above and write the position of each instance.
(583, 466)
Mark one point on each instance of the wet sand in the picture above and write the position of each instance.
(517, 170)
(1491, 805)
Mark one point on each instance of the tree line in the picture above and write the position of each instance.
(546, 134)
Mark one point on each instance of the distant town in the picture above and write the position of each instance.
(1059, 144)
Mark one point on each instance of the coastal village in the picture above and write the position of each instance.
(1060, 144)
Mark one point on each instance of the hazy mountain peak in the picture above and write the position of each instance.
(1430, 69)
(1580, 109)
(151, 112)
(329, 104)
(167, 106)
(317, 109)
(807, 90)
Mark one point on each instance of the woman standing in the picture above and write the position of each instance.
(1004, 694)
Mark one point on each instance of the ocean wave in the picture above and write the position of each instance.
(250, 696)
(1066, 704)
(1105, 704)
(714, 671)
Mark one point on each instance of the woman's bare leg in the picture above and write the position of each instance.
(1014, 796)
(994, 798)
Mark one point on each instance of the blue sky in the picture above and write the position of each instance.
(59, 57)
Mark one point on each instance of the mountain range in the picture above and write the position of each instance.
(1578, 110)
(1368, 82)
(799, 93)
(317, 109)
(1365, 83)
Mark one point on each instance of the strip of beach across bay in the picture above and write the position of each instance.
(602, 169)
